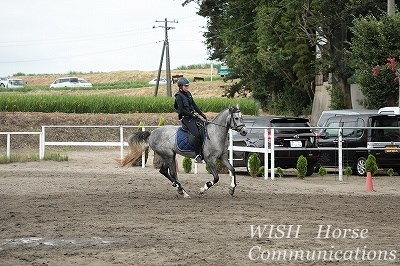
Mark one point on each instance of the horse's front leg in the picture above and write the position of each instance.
(225, 161)
(214, 172)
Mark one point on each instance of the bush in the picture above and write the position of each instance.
(390, 172)
(348, 171)
(261, 170)
(279, 171)
(301, 166)
(161, 121)
(187, 164)
(370, 164)
(221, 168)
(322, 171)
(254, 164)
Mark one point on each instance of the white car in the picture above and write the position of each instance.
(163, 81)
(70, 82)
(12, 83)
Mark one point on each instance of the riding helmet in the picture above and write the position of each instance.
(183, 81)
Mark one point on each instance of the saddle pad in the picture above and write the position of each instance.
(182, 142)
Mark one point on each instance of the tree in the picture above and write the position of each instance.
(288, 58)
(240, 34)
(325, 24)
(271, 45)
(375, 49)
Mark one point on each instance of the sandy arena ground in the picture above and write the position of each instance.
(89, 211)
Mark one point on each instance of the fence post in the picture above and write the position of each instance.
(42, 143)
(143, 153)
(340, 153)
(8, 146)
(272, 154)
(266, 153)
(121, 139)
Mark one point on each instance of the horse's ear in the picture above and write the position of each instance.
(234, 109)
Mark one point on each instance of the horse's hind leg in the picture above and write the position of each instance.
(169, 171)
(164, 171)
(173, 173)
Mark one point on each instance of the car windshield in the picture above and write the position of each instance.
(287, 124)
(16, 82)
(387, 134)
(253, 124)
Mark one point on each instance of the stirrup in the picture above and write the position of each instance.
(198, 159)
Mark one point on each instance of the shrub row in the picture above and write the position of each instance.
(112, 104)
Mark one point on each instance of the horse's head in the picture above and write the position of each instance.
(236, 120)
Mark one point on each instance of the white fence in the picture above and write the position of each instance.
(121, 144)
(8, 142)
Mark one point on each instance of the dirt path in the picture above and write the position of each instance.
(89, 211)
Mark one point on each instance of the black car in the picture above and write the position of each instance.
(291, 142)
(384, 142)
(358, 141)
(353, 136)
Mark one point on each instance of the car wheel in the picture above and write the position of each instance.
(316, 167)
(310, 170)
(360, 166)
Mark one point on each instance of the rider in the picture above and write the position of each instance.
(185, 106)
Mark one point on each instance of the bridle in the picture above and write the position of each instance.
(232, 120)
(232, 110)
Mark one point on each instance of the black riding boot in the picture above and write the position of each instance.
(197, 150)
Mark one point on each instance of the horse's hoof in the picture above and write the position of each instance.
(187, 197)
(180, 191)
(231, 191)
(202, 190)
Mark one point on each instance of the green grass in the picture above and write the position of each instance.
(18, 158)
(21, 158)
(111, 104)
(55, 157)
(195, 66)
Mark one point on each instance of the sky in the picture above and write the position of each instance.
(60, 36)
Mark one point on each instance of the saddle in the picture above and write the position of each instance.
(185, 140)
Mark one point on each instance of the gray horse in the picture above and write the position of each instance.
(163, 141)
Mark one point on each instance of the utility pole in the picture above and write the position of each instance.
(167, 61)
(390, 7)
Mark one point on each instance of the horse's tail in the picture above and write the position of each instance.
(138, 143)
